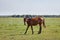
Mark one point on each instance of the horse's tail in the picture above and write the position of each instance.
(44, 23)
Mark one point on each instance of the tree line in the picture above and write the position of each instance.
(32, 15)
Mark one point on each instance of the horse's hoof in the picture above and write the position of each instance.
(39, 33)
(32, 33)
(24, 33)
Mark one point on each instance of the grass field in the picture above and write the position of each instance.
(13, 29)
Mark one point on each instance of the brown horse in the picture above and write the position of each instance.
(34, 21)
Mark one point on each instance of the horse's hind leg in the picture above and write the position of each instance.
(26, 29)
(32, 29)
(40, 29)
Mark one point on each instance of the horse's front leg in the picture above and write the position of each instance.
(40, 29)
(26, 29)
(32, 29)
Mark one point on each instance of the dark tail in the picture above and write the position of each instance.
(44, 23)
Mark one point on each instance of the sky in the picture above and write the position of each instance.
(32, 7)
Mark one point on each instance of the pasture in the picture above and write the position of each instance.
(13, 29)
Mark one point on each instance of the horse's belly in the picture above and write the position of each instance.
(34, 23)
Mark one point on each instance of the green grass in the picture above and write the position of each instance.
(13, 29)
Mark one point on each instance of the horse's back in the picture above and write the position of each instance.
(35, 18)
